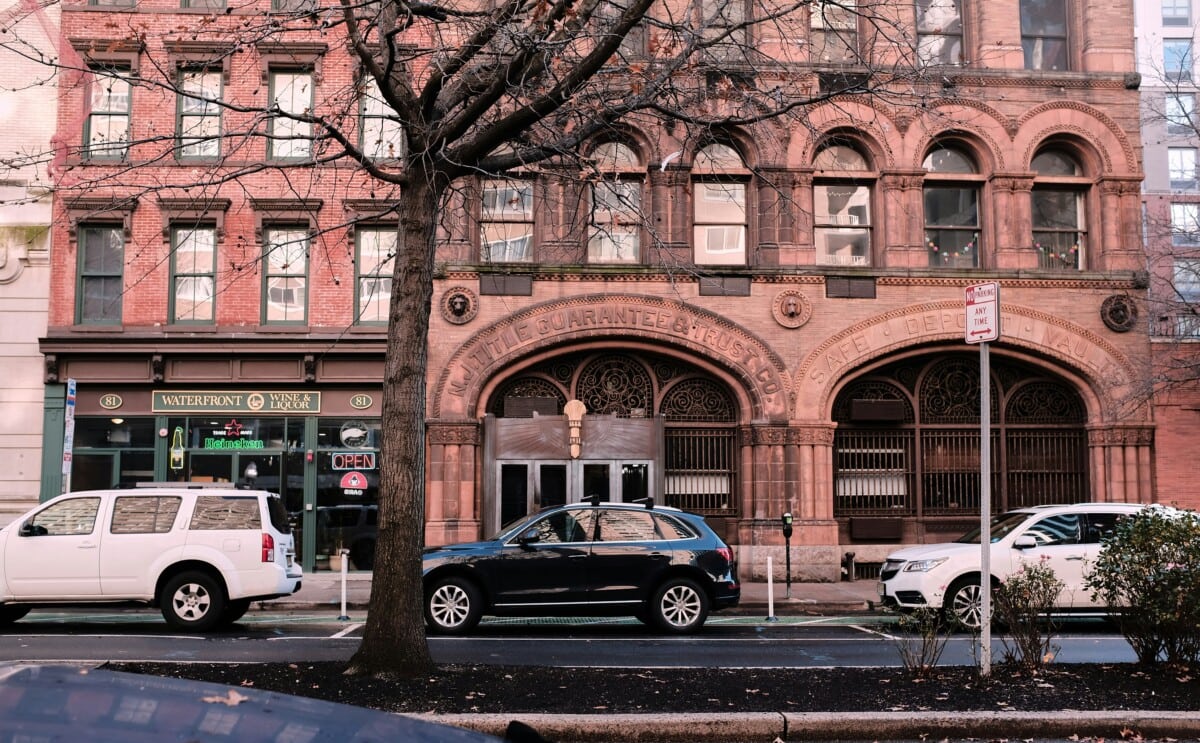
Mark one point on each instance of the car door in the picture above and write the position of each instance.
(1061, 547)
(628, 557)
(140, 533)
(55, 553)
(544, 564)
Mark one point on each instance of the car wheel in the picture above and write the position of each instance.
(193, 602)
(10, 614)
(453, 606)
(235, 610)
(963, 603)
(679, 606)
(362, 554)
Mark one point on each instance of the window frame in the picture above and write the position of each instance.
(1188, 212)
(194, 275)
(388, 123)
(505, 219)
(269, 246)
(211, 109)
(851, 172)
(300, 133)
(382, 274)
(1183, 174)
(1176, 18)
(1033, 36)
(86, 276)
(1180, 116)
(1052, 185)
(99, 71)
(1176, 66)
(972, 182)
(618, 215)
(927, 33)
(823, 30)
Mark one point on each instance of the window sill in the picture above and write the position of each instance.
(283, 329)
(80, 328)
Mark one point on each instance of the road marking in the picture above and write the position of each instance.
(343, 633)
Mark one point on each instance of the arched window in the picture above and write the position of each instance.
(952, 188)
(1059, 217)
(614, 234)
(842, 206)
(719, 186)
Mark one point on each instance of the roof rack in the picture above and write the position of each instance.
(188, 485)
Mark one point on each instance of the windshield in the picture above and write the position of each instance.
(1002, 526)
(512, 525)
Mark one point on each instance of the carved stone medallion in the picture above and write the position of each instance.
(791, 309)
(459, 305)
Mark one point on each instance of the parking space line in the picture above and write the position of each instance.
(346, 631)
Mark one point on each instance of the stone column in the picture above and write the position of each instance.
(1121, 463)
(1014, 247)
(901, 236)
(451, 513)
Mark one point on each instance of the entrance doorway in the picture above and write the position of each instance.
(527, 486)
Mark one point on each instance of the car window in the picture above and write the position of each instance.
(278, 514)
(1060, 529)
(225, 512)
(1001, 526)
(1100, 526)
(70, 517)
(563, 526)
(144, 514)
(671, 528)
(627, 526)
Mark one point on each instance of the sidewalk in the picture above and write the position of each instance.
(323, 590)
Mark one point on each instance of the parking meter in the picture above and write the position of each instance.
(787, 546)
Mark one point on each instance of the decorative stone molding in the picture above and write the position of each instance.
(1120, 313)
(620, 319)
(441, 432)
(791, 309)
(811, 434)
(1121, 436)
(768, 435)
(193, 212)
(459, 305)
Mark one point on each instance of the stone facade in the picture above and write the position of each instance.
(777, 333)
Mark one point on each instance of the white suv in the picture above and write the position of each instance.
(946, 576)
(200, 554)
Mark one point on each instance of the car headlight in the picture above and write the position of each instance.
(924, 566)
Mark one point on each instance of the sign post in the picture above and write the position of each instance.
(68, 436)
(983, 326)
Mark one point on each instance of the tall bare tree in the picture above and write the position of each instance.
(483, 88)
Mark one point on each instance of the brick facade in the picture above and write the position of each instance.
(780, 332)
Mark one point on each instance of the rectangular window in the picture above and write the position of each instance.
(1058, 236)
(834, 31)
(193, 274)
(374, 264)
(285, 295)
(292, 94)
(842, 225)
(382, 134)
(633, 46)
(1177, 59)
(1187, 279)
(294, 6)
(1044, 34)
(144, 514)
(1176, 13)
(1181, 164)
(939, 32)
(101, 260)
(1185, 224)
(507, 223)
(1179, 111)
(215, 512)
(207, 4)
(723, 23)
(615, 235)
(720, 224)
(199, 114)
(107, 134)
(952, 227)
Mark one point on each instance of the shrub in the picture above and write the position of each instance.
(1148, 571)
(920, 637)
(1023, 603)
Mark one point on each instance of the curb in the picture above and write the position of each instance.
(785, 726)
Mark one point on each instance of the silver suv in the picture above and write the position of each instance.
(200, 554)
(946, 576)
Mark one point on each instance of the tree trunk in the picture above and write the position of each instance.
(394, 638)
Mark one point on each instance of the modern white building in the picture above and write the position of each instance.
(27, 122)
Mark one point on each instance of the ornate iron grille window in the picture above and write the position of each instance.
(907, 442)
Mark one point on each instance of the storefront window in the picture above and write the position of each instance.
(111, 452)
(347, 491)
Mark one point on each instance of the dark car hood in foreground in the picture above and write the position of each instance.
(60, 702)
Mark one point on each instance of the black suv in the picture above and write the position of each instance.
(662, 565)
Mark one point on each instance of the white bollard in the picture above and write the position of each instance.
(771, 591)
(345, 553)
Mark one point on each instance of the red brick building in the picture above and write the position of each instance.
(761, 320)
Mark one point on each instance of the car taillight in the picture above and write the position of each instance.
(726, 553)
(268, 548)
